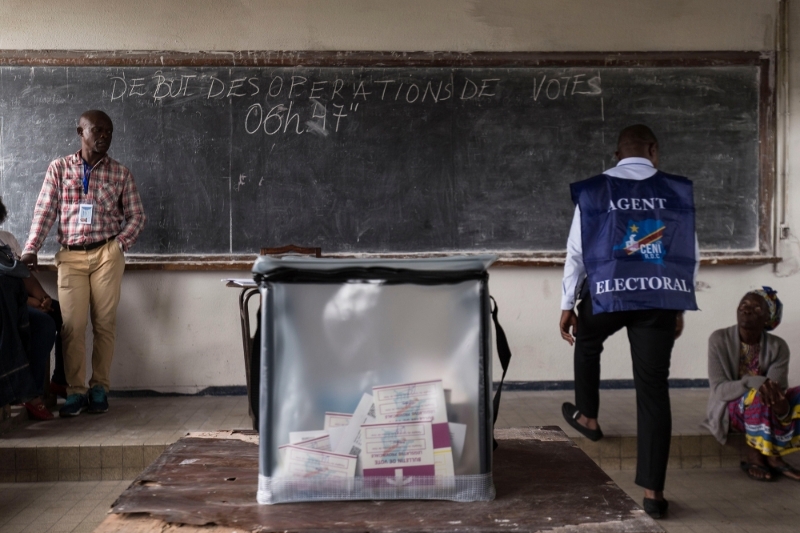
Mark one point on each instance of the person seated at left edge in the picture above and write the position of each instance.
(44, 317)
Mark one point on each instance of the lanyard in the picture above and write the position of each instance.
(87, 171)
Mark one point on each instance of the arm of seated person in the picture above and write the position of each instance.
(37, 296)
(722, 388)
(778, 370)
(773, 395)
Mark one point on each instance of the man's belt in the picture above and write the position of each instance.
(91, 246)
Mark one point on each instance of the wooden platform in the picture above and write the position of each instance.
(207, 482)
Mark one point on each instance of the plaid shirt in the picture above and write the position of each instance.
(117, 207)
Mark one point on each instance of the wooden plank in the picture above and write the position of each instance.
(264, 58)
(222, 263)
(116, 523)
(543, 482)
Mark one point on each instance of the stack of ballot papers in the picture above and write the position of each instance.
(399, 432)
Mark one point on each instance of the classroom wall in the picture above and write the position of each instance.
(179, 331)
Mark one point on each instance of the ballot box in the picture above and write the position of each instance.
(376, 379)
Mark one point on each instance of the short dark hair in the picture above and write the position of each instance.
(92, 113)
(638, 134)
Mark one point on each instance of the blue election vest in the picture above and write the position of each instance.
(638, 239)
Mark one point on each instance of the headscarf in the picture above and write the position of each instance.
(774, 306)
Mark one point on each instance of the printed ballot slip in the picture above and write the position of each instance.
(312, 464)
(410, 402)
(323, 442)
(296, 437)
(349, 441)
(335, 434)
(335, 420)
(419, 402)
(399, 449)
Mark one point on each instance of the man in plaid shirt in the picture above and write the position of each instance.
(100, 215)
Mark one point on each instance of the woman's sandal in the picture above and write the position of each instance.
(38, 411)
(766, 471)
(781, 470)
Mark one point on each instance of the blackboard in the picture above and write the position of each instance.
(391, 154)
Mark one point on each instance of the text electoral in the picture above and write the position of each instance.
(642, 284)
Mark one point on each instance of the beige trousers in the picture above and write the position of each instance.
(89, 282)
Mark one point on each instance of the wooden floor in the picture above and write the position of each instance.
(76, 461)
(543, 482)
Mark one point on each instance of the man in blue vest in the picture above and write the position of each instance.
(632, 258)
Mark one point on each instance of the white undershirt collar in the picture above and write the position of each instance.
(635, 161)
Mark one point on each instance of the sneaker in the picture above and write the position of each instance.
(98, 400)
(74, 405)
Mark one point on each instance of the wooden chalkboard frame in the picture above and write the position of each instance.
(766, 252)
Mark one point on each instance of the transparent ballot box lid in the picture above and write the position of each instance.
(375, 379)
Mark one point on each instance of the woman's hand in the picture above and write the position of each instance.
(773, 395)
(44, 304)
(47, 304)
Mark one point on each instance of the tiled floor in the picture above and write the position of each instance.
(145, 421)
(617, 410)
(705, 494)
(691, 447)
(116, 445)
(56, 507)
(162, 420)
(723, 500)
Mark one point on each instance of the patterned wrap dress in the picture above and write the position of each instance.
(763, 430)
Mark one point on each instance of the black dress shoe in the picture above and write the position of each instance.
(571, 415)
(656, 508)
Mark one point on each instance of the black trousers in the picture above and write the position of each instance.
(58, 370)
(651, 334)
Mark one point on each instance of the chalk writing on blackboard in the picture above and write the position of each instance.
(374, 159)
(300, 104)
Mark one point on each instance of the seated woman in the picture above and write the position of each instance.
(18, 362)
(44, 318)
(748, 376)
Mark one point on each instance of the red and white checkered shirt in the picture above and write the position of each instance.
(117, 208)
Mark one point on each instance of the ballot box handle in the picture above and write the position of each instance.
(504, 353)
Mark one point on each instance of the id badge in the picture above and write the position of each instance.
(85, 213)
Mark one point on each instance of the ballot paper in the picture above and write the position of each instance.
(350, 443)
(323, 442)
(406, 427)
(335, 420)
(296, 437)
(410, 402)
(398, 450)
(417, 402)
(335, 434)
(316, 464)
